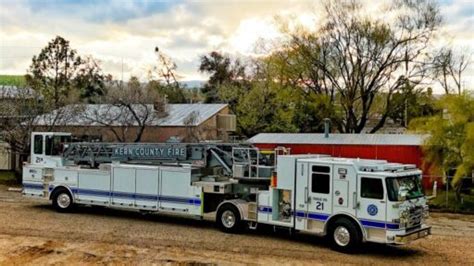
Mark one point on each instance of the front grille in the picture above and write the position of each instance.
(415, 218)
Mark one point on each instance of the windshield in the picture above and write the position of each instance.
(410, 184)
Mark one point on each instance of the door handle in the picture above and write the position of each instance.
(306, 195)
(355, 204)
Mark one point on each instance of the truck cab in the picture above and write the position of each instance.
(347, 200)
(47, 148)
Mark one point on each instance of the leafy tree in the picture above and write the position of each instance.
(222, 71)
(58, 73)
(260, 104)
(410, 103)
(90, 80)
(451, 141)
(173, 94)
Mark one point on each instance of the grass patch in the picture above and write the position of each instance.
(466, 206)
(8, 178)
(13, 80)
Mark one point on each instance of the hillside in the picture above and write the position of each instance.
(12, 80)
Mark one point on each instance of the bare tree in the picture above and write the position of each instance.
(353, 58)
(24, 110)
(127, 111)
(193, 133)
(448, 68)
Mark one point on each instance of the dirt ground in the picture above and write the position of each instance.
(31, 232)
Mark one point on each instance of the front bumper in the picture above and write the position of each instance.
(422, 232)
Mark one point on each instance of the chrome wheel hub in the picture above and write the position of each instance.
(342, 236)
(228, 219)
(63, 200)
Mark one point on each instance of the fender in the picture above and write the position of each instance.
(350, 217)
(58, 187)
(240, 204)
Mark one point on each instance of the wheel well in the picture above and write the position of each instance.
(58, 189)
(230, 203)
(336, 217)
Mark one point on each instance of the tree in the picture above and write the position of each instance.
(58, 73)
(18, 112)
(353, 58)
(451, 137)
(260, 104)
(164, 79)
(90, 80)
(410, 103)
(127, 111)
(222, 70)
(448, 68)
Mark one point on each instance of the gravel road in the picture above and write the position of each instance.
(31, 232)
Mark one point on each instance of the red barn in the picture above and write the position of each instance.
(403, 148)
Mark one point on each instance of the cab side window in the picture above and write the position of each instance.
(54, 145)
(38, 144)
(320, 179)
(371, 188)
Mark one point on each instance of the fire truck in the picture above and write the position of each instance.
(348, 200)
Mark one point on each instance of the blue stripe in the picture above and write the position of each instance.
(300, 214)
(393, 226)
(379, 224)
(365, 223)
(136, 196)
(318, 216)
(32, 186)
(374, 224)
(265, 209)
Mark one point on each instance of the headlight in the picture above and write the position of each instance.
(404, 214)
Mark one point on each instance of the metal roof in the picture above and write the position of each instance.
(108, 114)
(339, 139)
(14, 92)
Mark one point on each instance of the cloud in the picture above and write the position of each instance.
(100, 11)
(118, 30)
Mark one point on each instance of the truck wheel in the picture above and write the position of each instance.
(344, 236)
(228, 219)
(62, 200)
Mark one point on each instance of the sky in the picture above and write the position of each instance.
(122, 34)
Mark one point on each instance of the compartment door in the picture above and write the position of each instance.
(93, 186)
(301, 195)
(146, 193)
(176, 193)
(344, 191)
(123, 187)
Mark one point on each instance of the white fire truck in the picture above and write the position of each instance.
(348, 200)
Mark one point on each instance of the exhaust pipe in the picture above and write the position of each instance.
(326, 127)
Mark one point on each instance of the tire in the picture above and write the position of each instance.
(344, 235)
(228, 219)
(62, 200)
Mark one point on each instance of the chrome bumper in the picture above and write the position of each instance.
(424, 231)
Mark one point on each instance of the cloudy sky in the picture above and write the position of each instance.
(123, 33)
